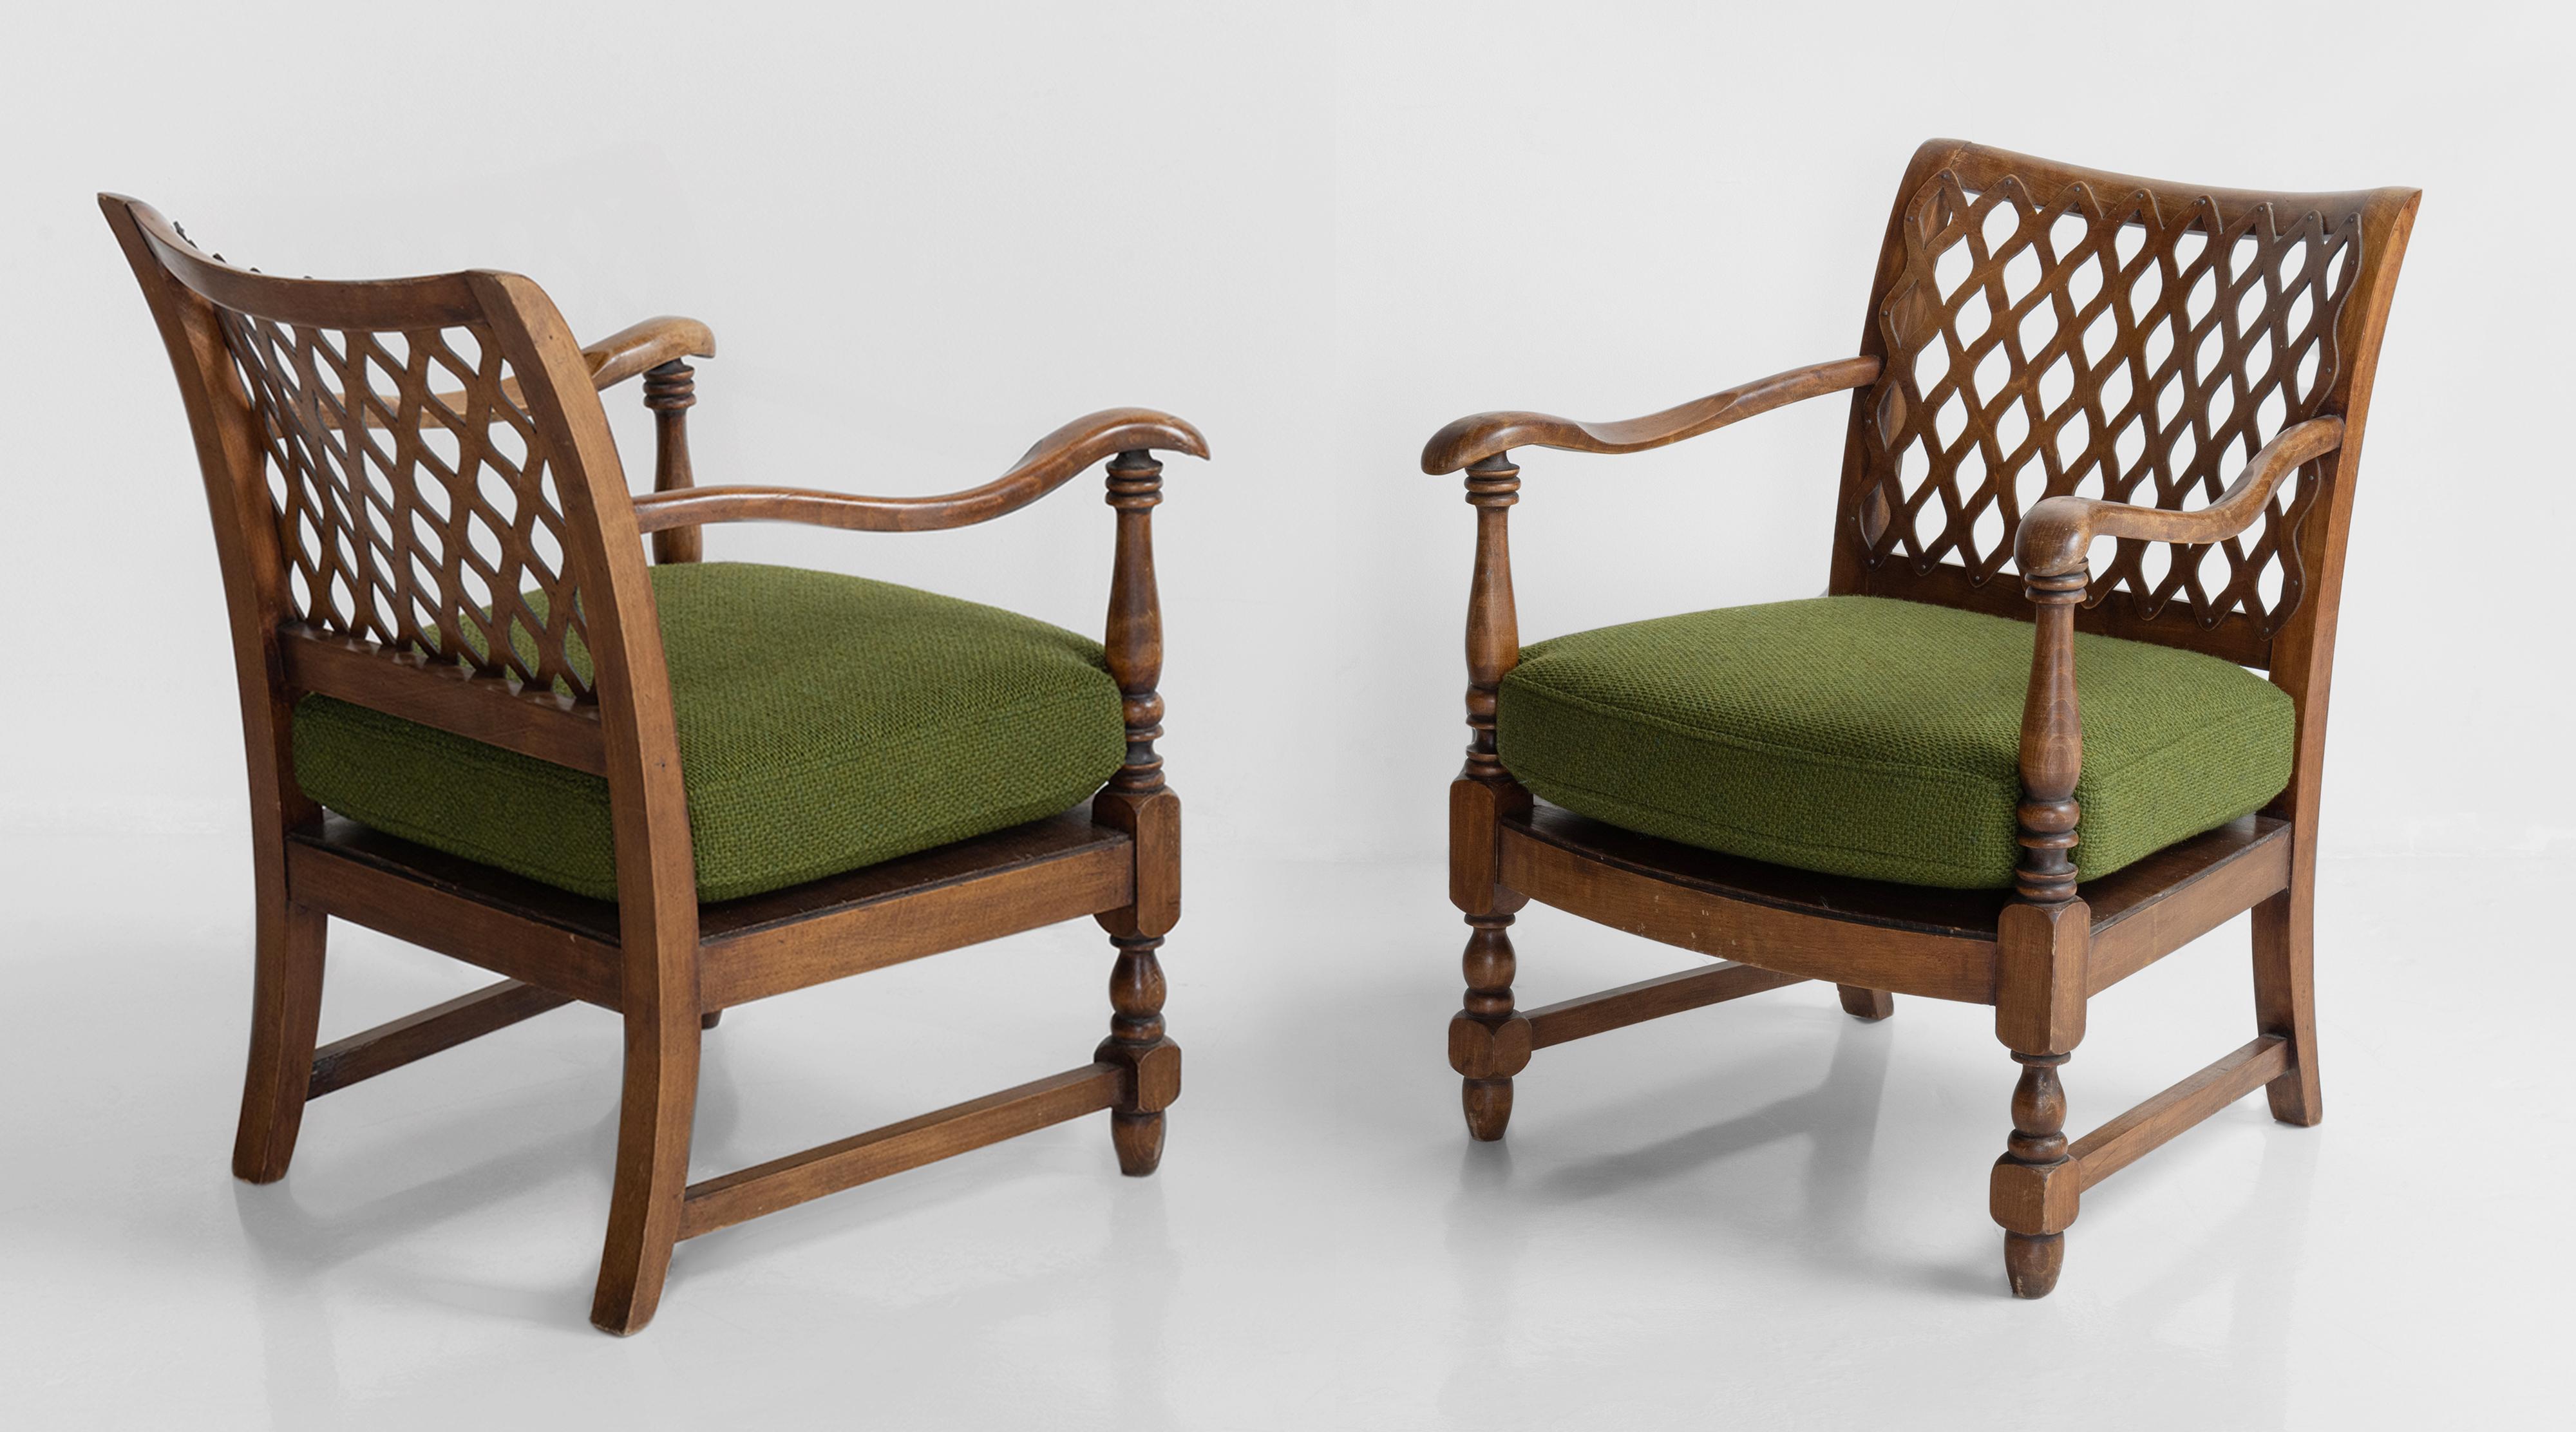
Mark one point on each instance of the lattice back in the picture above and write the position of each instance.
(2048, 332)
(415, 499)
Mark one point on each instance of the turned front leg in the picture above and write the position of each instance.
(2041, 944)
(1136, 1041)
(1139, 802)
(1488, 1042)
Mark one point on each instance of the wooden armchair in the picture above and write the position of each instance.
(479, 721)
(1891, 787)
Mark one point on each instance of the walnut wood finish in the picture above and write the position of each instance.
(670, 390)
(2051, 355)
(655, 343)
(1648, 999)
(418, 508)
(1472, 440)
(846, 1163)
(1055, 459)
(2054, 535)
(390, 1046)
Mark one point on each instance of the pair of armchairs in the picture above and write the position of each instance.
(480, 720)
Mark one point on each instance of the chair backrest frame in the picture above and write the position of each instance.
(2154, 336)
(364, 623)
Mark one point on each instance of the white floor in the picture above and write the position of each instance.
(1762, 1215)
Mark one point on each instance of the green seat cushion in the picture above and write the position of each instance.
(826, 723)
(1878, 738)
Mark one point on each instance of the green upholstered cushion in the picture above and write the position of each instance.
(826, 723)
(1878, 738)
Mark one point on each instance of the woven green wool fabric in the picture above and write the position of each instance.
(1878, 738)
(826, 723)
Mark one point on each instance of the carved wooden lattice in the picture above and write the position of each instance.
(2090, 343)
(405, 521)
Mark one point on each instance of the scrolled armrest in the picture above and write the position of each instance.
(1475, 438)
(1042, 469)
(639, 347)
(2056, 531)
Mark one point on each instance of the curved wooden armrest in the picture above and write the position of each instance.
(1483, 435)
(636, 348)
(1041, 470)
(641, 346)
(2055, 532)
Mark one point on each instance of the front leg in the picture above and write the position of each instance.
(2041, 946)
(1488, 1041)
(1139, 802)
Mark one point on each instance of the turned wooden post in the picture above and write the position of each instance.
(670, 390)
(1488, 1041)
(1493, 627)
(2040, 948)
(1137, 801)
(1135, 638)
(1136, 1041)
(2052, 744)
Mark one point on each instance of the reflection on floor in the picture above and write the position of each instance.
(1763, 1213)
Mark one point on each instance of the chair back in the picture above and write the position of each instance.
(2046, 330)
(409, 480)
(418, 508)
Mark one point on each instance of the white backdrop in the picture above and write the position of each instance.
(927, 234)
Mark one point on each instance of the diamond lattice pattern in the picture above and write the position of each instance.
(2091, 344)
(403, 520)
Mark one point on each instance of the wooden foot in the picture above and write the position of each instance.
(2285, 998)
(713, 1017)
(1136, 1042)
(653, 1125)
(1488, 1041)
(1871, 1005)
(1488, 1103)
(1139, 1141)
(2036, 1184)
(286, 1014)
(2032, 1261)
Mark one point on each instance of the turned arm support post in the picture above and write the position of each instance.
(1134, 640)
(2052, 743)
(670, 390)
(1493, 627)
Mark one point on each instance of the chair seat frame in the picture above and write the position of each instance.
(669, 964)
(2038, 952)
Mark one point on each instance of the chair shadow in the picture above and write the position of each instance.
(1838, 1119)
(293, 1245)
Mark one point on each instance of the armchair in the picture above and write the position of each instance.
(1899, 787)
(476, 719)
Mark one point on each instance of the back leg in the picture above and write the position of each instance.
(654, 1120)
(2285, 997)
(1871, 1005)
(286, 1012)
